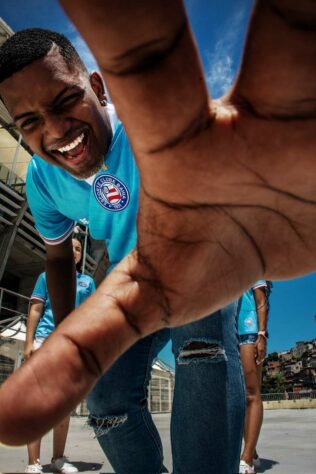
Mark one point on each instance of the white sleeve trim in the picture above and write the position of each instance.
(260, 285)
(36, 297)
(60, 239)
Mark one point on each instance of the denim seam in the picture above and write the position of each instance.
(145, 389)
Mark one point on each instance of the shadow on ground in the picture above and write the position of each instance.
(266, 465)
(80, 465)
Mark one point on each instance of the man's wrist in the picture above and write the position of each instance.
(264, 334)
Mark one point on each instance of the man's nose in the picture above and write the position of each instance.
(55, 127)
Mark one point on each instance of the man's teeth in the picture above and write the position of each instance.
(71, 145)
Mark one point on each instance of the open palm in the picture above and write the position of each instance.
(228, 188)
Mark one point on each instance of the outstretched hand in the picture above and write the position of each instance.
(228, 188)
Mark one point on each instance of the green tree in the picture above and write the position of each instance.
(274, 384)
(274, 356)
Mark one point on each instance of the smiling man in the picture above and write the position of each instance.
(84, 170)
(250, 160)
(77, 144)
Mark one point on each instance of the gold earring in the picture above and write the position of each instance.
(103, 100)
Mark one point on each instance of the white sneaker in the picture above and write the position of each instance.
(245, 468)
(35, 468)
(256, 462)
(63, 465)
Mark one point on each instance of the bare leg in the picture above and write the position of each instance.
(60, 437)
(34, 450)
(254, 410)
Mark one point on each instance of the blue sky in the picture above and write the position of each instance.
(219, 28)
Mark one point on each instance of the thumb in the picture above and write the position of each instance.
(56, 378)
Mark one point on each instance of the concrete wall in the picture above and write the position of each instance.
(295, 404)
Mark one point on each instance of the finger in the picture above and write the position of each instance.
(151, 67)
(262, 358)
(123, 309)
(60, 374)
(42, 391)
(261, 355)
(54, 380)
(278, 70)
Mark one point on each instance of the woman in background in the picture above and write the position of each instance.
(252, 323)
(40, 324)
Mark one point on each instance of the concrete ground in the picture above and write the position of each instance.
(287, 445)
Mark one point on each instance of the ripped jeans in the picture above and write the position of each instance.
(208, 407)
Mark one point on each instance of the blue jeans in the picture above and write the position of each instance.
(208, 408)
(248, 338)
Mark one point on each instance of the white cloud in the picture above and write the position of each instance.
(220, 72)
(220, 75)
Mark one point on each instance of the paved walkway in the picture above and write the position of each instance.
(287, 446)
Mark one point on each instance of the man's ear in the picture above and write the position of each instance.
(97, 85)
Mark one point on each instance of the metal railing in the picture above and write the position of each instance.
(272, 397)
(13, 315)
(13, 308)
(11, 203)
(7, 176)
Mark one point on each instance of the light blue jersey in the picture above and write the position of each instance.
(85, 287)
(108, 206)
(247, 320)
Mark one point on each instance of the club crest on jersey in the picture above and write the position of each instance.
(249, 322)
(110, 192)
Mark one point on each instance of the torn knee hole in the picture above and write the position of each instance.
(211, 350)
(102, 425)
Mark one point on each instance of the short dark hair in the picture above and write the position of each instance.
(26, 46)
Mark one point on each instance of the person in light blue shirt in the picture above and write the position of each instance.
(84, 170)
(247, 312)
(85, 287)
(108, 203)
(252, 321)
(40, 324)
